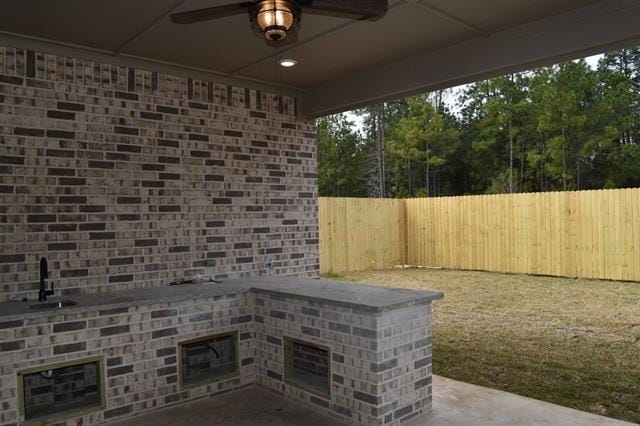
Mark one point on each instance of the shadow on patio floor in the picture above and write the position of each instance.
(454, 404)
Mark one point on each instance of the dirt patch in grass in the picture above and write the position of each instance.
(572, 342)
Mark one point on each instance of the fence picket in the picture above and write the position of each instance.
(592, 234)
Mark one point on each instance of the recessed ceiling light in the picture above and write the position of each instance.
(288, 63)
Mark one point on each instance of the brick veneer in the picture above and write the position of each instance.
(125, 177)
(380, 360)
(139, 348)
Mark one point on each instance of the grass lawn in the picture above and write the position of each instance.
(572, 342)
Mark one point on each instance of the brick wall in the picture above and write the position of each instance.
(138, 345)
(379, 367)
(124, 177)
(381, 362)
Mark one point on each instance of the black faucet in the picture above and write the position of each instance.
(44, 276)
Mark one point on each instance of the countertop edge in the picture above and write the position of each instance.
(428, 297)
(231, 288)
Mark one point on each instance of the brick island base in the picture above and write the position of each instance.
(377, 343)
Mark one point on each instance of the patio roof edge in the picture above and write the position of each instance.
(607, 25)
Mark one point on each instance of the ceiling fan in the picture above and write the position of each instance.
(275, 19)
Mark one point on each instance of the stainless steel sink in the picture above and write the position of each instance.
(52, 305)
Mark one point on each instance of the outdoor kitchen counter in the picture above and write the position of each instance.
(359, 297)
(361, 353)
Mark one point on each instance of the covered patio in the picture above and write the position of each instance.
(159, 186)
(342, 64)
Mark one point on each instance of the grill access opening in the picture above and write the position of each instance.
(209, 359)
(55, 392)
(307, 366)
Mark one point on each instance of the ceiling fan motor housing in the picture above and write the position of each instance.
(274, 19)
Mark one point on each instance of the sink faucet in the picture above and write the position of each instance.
(44, 276)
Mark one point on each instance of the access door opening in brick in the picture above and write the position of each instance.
(307, 366)
(209, 359)
(55, 392)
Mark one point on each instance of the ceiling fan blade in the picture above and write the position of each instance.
(199, 15)
(370, 10)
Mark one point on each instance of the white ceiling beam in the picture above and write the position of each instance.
(148, 27)
(603, 26)
(434, 11)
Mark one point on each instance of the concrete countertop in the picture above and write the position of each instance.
(360, 297)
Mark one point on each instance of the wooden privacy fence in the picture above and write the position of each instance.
(361, 233)
(592, 234)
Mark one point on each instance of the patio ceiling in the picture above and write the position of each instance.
(419, 45)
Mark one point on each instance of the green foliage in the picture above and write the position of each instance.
(565, 127)
(340, 158)
(420, 145)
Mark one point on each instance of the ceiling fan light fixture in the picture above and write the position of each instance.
(274, 19)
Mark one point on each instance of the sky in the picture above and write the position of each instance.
(451, 96)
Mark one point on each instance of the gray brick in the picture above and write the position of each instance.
(310, 312)
(118, 329)
(403, 412)
(343, 411)
(163, 313)
(114, 311)
(164, 333)
(422, 342)
(342, 328)
(113, 361)
(11, 324)
(274, 375)
(201, 317)
(274, 340)
(317, 401)
(119, 371)
(116, 412)
(422, 383)
(365, 397)
(12, 258)
(278, 314)
(422, 362)
(170, 399)
(337, 358)
(384, 366)
(70, 347)
(165, 371)
(310, 331)
(165, 352)
(69, 326)
(11, 346)
(242, 319)
(363, 332)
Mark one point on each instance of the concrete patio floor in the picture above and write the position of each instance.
(458, 403)
(454, 403)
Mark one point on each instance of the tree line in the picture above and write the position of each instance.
(565, 127)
